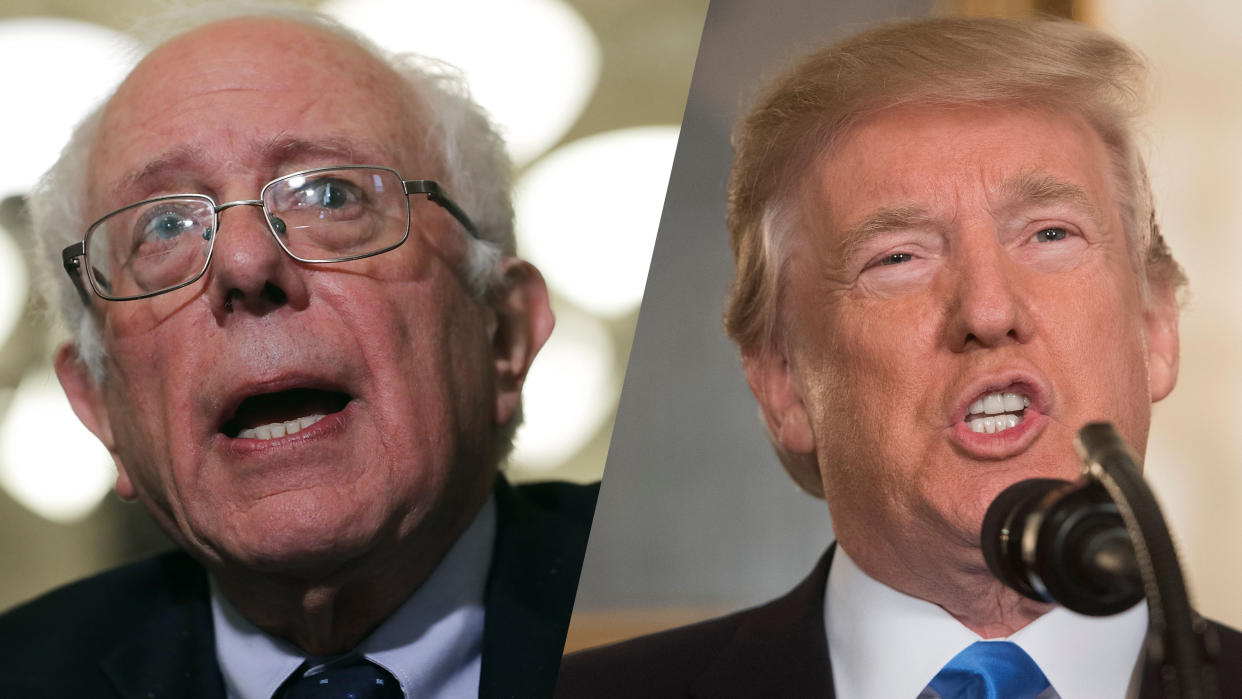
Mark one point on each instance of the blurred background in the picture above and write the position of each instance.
(590, 94)
(698, 518)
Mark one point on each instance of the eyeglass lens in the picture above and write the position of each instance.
(317, 216)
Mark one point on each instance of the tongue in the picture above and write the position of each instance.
(283, 406)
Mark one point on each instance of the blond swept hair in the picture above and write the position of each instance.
(1049, 64)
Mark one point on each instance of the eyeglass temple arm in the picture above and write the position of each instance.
(437, 195)
(72, 257)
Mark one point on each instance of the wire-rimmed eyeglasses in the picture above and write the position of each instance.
(326, 214)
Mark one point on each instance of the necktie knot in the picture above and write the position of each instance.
(990, 670)
(346, 677)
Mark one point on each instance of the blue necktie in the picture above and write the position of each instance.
(347, 677)
(990, 670)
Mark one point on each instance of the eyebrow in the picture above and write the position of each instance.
(879, 222)
(278, 152)
(1025, 188)
(1042, 188)
(345, 151)
(174, 160)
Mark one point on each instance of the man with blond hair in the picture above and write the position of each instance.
(301, 330)
(946, 263)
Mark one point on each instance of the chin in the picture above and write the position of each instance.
(299, 537)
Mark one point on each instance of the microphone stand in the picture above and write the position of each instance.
(1177, 637)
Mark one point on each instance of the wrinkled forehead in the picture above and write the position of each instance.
(248, 93)
(922, 153)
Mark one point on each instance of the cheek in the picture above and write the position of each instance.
(867, 370)
(428, 344)
(875, 357)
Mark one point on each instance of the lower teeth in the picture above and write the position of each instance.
(993, 423)
(279, 429)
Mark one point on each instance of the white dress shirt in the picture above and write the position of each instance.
(884, 644)
(432, 644)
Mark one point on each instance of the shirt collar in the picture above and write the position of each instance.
(432, 643)
(884, 643)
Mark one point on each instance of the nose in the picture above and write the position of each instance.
(249, 271)
(988, 306)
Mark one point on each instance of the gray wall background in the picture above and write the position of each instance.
(696, 511)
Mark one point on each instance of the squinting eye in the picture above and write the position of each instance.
(896, 258)
(1050, 234)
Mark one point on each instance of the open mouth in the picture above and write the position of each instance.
(274, 415)
(997, 411)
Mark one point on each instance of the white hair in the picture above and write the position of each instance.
(477, 172)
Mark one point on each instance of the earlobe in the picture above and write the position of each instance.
(1163, 344)
(523, 323)
(785, 416)
(86, 399)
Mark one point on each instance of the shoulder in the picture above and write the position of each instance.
(777, 649)
(68, 631)
(90, 609)
(569, 500)
(549, 517)
(665, 664)
(541, 536)
(1228, 660)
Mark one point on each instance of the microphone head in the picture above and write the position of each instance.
(1004, 526)
(1056, 541)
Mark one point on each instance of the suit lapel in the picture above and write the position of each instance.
(779, 651)
(172, 652)
(530, 592)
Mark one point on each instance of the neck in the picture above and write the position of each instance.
(956, 579)
(322, 617)
(992, 611)
(331, 613)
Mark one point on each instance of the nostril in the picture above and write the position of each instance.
(274, 294)
(271, 295)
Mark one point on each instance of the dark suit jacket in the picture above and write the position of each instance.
(777, 650)
(145, 630)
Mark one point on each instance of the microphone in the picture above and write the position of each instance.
(1057, 541)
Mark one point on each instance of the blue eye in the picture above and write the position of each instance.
(896, 258)
(332, 196)
(1051, 234)
(166, 225)
(326, 194)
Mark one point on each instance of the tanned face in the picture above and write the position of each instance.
(960, 301)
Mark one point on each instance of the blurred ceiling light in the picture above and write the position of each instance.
(49, 462)
(13, 283)
(587, 215)
(568, 394)
(532, 64)
(55, 71)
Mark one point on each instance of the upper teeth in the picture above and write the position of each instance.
(997, 403)
(279, 429)
(993, 405)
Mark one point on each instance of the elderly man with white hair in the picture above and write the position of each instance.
(298, 325)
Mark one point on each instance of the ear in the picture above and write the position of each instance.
(86, 399)
(1161, 317)
(784, 414)
(523, 323)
